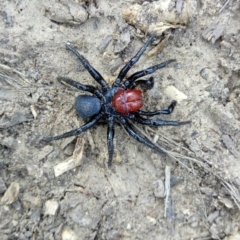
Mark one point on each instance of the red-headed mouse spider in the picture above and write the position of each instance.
(117, 103)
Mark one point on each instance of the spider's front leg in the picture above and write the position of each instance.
(93, 72)
(127, 67)
(145, 72)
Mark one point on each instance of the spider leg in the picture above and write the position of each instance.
(82, 87)
(110, 136)
(93, 72)
(145, 72)
(148, 84)
(138, 137)
(155, 122)
(77, 131)
(126, 68)
(169, 110)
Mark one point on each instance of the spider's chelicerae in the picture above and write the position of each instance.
(118, 103)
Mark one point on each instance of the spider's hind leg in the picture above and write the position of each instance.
(139, 138)
(155, 122)
(77, 131)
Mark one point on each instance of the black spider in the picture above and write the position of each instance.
(117, 103)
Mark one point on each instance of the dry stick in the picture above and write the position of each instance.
(224, 6)
(174, 144)
(232, 190)
(73, 161)
(167, 190)
(11, 81)
(203, 206)
(171, 154)
(168, 213)
(176, 156)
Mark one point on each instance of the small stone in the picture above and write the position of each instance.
(152, 220)
(69, 149)
(2, 186)
(213, 216)
(44, 152)
(194, 224)
(206, 190)
(159, 189)
(35, 216)
(108, 211)
(129, 226)
(227, 202)
(68, 234)
(14, 223)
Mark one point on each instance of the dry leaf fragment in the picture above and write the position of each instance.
(156, 16)
(175, 94)
(11, 195)
(214, 31)
(34, 111)
(159, 47)
(65, 12)
(73, 161)
(51, 207)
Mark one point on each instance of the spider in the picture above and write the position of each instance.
(119, 103)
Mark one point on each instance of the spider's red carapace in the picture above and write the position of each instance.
(126, 101)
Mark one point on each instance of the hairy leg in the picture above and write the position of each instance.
(93, 72)
(145, 72)
(155, 122)
(169, 110)
(77, 131)
(82, 87)
(148, 84)
(127, 67)
(138, 137)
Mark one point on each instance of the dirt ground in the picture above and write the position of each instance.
(193, 193)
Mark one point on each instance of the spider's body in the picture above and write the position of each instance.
(117, 103)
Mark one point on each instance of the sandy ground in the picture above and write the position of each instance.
(191, 194)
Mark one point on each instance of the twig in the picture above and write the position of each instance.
(224, 6)
(177, 157)
(167, 190)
